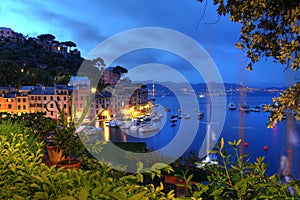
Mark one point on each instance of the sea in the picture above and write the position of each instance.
(199, 135)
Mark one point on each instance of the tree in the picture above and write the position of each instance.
(120, 70)
(269, 29)
(69, 44)
(46, 37)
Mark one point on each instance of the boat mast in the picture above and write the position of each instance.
(152, 93)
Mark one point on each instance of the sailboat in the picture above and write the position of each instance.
(231, 105)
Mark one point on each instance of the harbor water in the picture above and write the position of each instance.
(251, 128)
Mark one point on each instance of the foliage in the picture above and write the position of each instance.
(236, 178)
(38, 64)
(37, 123)
(287, 104)
(269, 29)
(119, 70)
(24, 176)
(65, 139)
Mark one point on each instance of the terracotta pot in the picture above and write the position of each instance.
(66, 165)
(54, 155)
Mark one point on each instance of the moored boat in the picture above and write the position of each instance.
(148, 128)
(231, 106)
(244, 108)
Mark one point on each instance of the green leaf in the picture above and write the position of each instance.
(138, 195)
(83, 194)
(66, 198)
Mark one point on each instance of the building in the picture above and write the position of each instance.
(77, 99)
(109, 77)
(126, 94)
(8, 33)
(81, 97)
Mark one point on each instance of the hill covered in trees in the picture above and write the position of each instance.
(31, 61)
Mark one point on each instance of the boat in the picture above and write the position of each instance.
(113, 124)
(255, 109)
(231, 106)
(174, 118)
(155, 118)
(167, 109)
(125, 125)
(210, 159)
(200, 115)
(186, 116)
(148, 128)
(133, 127)
(87, 130)
(244, 108)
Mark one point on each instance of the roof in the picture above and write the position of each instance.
(79, 80)
(42, 90)
(61, 87)
(26, 88)
(4, 88)
(9, 95)
(5, 28)
(103, 95)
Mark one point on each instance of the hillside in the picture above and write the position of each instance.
(28, 62)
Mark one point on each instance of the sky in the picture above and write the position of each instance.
(89, 23)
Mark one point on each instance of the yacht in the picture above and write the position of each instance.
(231, 106)
(210, 159)
(244, 108)
(148, 128)
(186, 116)
(255, 109)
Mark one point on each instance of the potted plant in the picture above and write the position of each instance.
(67, 141)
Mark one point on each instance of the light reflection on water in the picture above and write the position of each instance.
(250, 127)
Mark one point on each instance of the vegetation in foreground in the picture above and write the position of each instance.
(23, 175)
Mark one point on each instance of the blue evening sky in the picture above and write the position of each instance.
(89, 22)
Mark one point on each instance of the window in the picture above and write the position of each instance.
(19, 100)
(51, 105)
(9, 106)
(24, 100)
(39, 98)
(19, 107)
(65, 98)
(45, 105)
(51, 98)
(58, 99)
(51, 113)
(65, 105)
(24, 107)
(39, 105)
(45, 98)
(32, 98)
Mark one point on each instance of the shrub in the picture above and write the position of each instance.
(235, 178)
